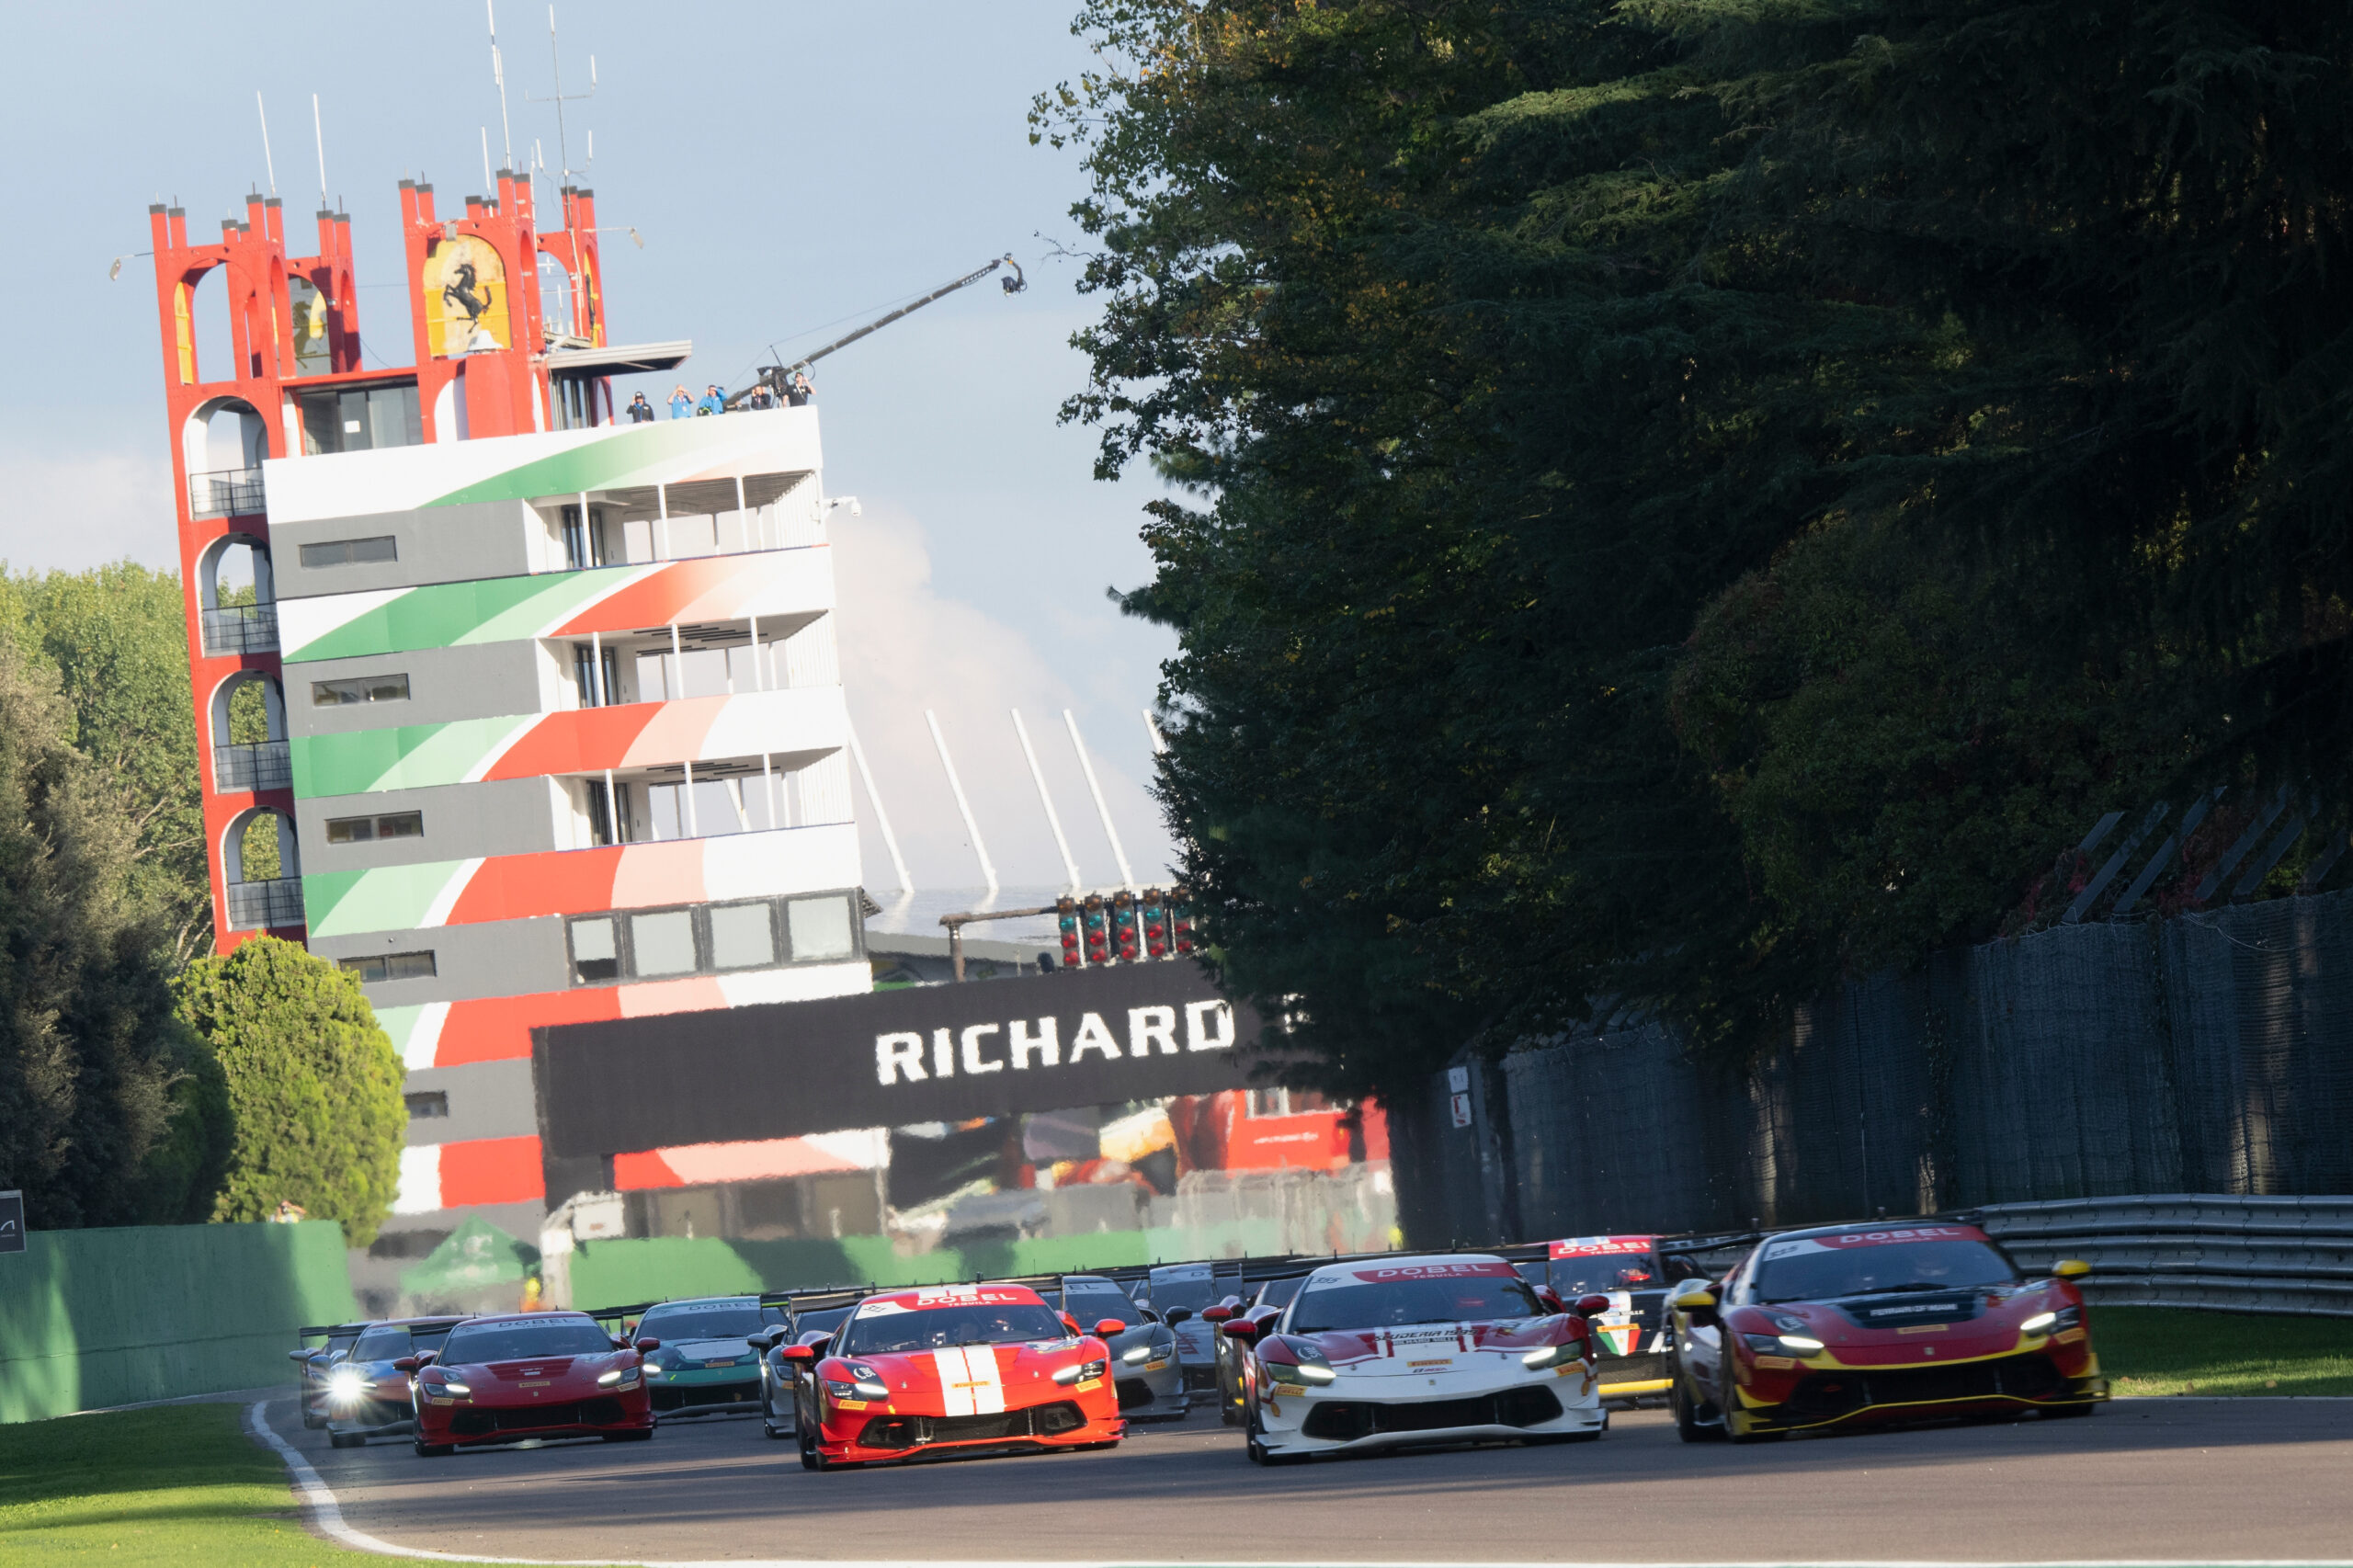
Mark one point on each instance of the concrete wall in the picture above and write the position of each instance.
(96, 1318)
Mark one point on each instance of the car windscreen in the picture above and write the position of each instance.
(936, 1328)
(1606, 1272)
(1391, 1303)
(831, 1318)
(382, 1344)
(471, 1346)
(708, 1320)
(1090, 1304)
(1279, 1292)
(1192, 1293)
(1811, 1269)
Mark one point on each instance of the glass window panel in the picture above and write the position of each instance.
(663, 943)
(820, 928)
(594, 956)
(742, 935)
(406, 825)
(351, 830)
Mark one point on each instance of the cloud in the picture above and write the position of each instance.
(908, 647)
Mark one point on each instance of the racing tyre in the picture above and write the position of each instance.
(312, 1421)
(345, 1440)
(1258, 1451)
(432, 1450)
(810, 1458)
(1687, 1426)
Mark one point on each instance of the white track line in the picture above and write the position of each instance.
(325, 1515)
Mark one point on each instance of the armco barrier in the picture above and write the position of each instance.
(102, 1317)
(2247, 1254)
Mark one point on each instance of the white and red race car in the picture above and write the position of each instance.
(1418, 1350)
(953, 1369)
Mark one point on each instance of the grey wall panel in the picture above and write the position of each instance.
(461, 543)
(506, 816)
(500, 958)
(485, 681)
(487, 1100)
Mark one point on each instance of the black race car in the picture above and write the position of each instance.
(369, 1395)
(1635, 1338)
(313, 1362)
(810, 1320)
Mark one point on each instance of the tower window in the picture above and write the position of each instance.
(364, 830)
(351, 551)
(374, 967)
(359, 689)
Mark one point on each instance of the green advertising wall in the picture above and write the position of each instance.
(95, 1318)
(621, 1273)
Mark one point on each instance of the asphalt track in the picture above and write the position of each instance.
(2148, 1481)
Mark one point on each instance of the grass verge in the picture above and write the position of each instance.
(182, 1484)
(2163, 1350)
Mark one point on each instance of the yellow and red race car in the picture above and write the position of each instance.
(1856, 1323)
(953, 1369)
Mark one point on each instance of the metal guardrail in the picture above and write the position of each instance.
(2244, 1254)
(268, 766)
(226, 493)
(241, 628)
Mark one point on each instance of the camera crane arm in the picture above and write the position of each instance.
(775, 376)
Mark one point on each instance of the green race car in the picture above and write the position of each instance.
(704, 1365)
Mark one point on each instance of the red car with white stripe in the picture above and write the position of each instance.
(953, 1369)
(498, 1380)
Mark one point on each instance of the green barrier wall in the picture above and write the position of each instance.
(617, 1273)
(96, 1318)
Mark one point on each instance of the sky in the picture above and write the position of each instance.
(793, 169)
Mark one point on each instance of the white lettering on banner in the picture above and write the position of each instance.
(943, 1052)
(1093, 1034)
(897, 1053)
(1197, 1033)
(1147, 1025)
(972, 1060)
(1047, 1043)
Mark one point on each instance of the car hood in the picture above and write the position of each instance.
(699, 1352)
(1420, 1349)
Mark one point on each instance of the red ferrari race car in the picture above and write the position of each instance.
(953, 1369)
(1860, 1323)
(497, 1379)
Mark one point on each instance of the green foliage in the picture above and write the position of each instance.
(1691, 497)
(104, 1118)
(119, 635)
(313, 1081)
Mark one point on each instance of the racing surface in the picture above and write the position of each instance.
(2189, 1480)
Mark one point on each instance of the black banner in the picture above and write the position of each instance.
(888, 1058)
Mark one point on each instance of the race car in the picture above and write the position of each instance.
(1867, 1323)
(1178, 1294)
(313, 1362)
(705, 1364)
(1634, 1335)
(1145, 1371)
(953, 1369)
(1267, 1298)
(1418, 1350)
(809, 1324)
(498, 1380)
(367, 1391)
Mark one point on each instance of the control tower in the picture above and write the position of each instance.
(525, 714)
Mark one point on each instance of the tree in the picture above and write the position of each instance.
(105, 1119)
(313, 1082)
(119, 636)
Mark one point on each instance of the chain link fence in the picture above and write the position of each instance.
(2210, 1052)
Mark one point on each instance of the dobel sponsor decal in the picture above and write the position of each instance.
(1599, 1246)
(1847, 1241)
(1432, 1271)
(1024, 1044)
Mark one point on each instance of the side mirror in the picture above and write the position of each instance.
(763, 1340)
(1550, 1299)
(1149, 1315)
(1592, 1306)
(408, 1363)
(1175, 1315)
(300, 1355)
(648, 1347)
(800, 1354)
(1243, 1329)
(618, 1343)
(1110, 1326)
(1699, 1306)
(2070, 1268)
(1216, 1314)
(1070, 1322)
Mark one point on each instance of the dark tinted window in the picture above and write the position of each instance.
(1605, 1272)
(1393, 1304)
(381, 1344)
(359, 689)
(1811, 1268)
(1090, 1304)
(708, 1320)
(389, 966)
(969, 1322)
(521, 1341)
(1279, 1292)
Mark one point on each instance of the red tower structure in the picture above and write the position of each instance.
(296, 385)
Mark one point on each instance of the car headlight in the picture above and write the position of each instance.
(2057, 1322)
(1081, 1371)
(618, 1378)
(1136, 1354)
(1547, 1356)
(1295, 1361)
(1782, 1344)
(347, 1382)
(462, 1390)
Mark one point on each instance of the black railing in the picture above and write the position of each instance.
(277, 903)
(226, 493)
(263, 766)
(241, 628)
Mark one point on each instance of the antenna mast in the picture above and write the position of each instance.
(563, 147)
(498, 74)
(319, 131)
(268, 163)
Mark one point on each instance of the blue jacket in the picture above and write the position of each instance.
(681, 406)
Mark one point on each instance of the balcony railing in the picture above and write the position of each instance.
(263, 766)
(226, 493)
(241, 628)
(254, 906)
